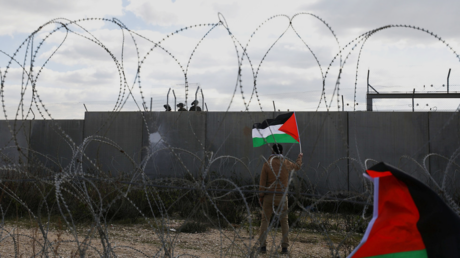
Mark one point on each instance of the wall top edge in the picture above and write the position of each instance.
(252, 112)
(232, 112)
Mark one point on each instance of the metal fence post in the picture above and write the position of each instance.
(174, 100)
(448, 75)
(167, 99)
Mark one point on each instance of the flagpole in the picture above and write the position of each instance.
(300, 144)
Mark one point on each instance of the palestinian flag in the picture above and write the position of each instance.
(410, 220)
(282, 129)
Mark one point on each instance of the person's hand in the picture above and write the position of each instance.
(300, 155)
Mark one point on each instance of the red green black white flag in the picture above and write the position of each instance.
(410, 220)
(282, 129)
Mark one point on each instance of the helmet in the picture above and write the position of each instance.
(195, 102)
(180, 105)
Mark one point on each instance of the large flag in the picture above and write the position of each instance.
(410, 220)
(282, 129)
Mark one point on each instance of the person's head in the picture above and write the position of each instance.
(277, 148)
(167, 107)
(180, 105)
(195, 102)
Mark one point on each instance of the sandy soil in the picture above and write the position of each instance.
(140, 240)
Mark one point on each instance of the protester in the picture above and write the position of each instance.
(195, 106)
(181, 107)
(167, 107)
(274, 178)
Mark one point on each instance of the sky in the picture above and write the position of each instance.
(130, 60)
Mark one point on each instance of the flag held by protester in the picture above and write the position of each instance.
(410, 220)
(282, 129)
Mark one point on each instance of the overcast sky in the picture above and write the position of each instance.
(85, 63)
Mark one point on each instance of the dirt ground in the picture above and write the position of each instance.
(141, 240)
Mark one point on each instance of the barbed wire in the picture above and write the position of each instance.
(73, 206)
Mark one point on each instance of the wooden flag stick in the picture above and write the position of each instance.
(300, 144)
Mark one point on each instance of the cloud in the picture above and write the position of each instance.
(82, 71)
(240, 17)
(161, 12)
(348, 17)
(33, 14)
(231, 9)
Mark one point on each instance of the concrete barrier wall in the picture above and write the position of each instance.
(444, 129)
(324, 144)
(389, 137)
(230, 135)
(54, 143)
(113, 141)
(14, 142)
(177, 143)
(186, 144)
